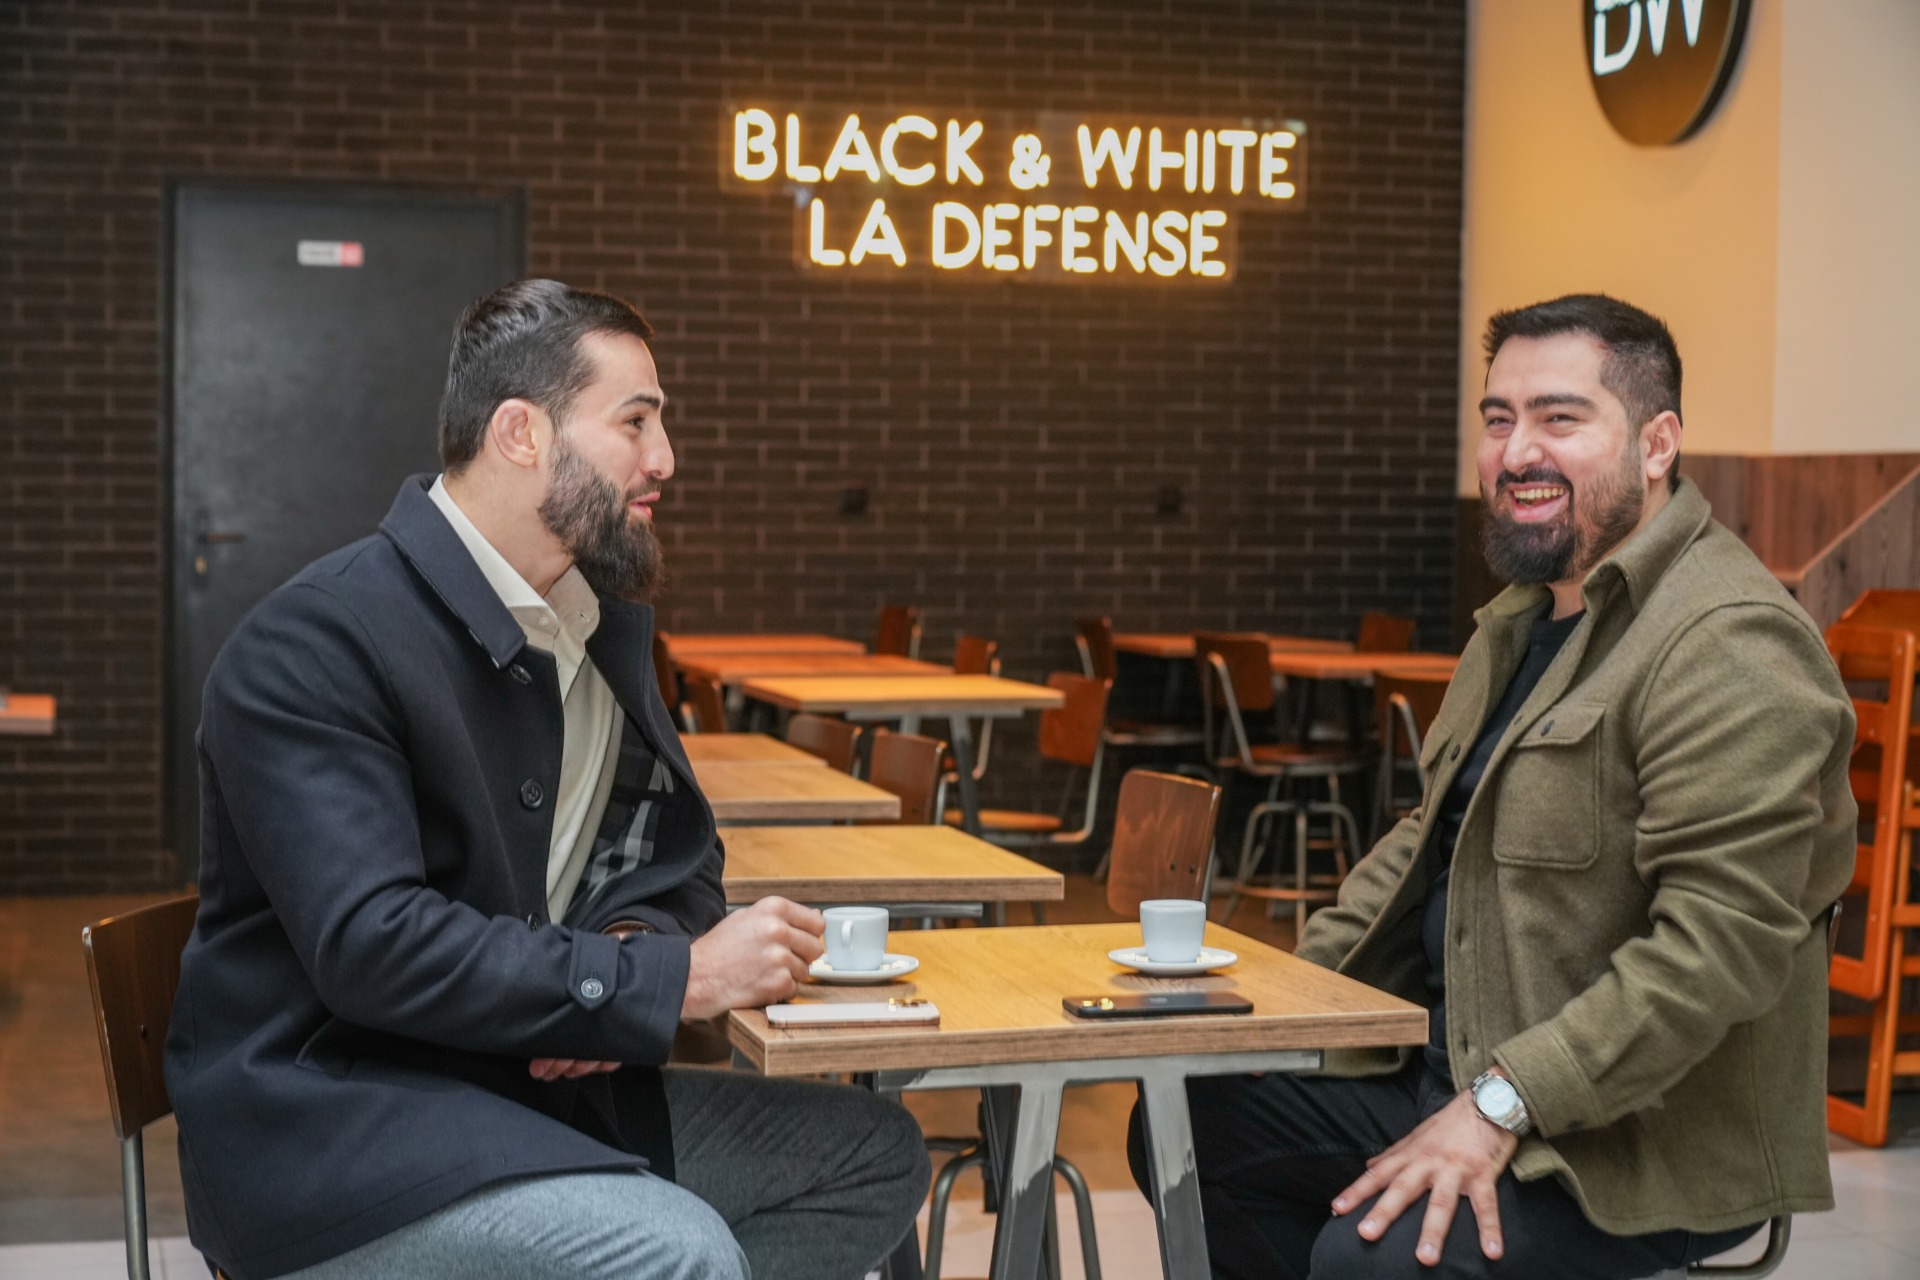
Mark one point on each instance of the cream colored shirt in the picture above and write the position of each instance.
(561, 623)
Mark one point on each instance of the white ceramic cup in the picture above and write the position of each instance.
(856, 938)
(1173, 929)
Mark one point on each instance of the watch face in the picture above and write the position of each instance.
(1496, 1097)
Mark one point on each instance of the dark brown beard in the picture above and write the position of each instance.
(1530, 555)
(616, 553)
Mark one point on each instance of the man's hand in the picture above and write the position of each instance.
(550, 1069)
(752, 958)
(1455, 1151)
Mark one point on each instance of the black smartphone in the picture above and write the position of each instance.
(1158, 1004)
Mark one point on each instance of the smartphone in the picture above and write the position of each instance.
(1159, 1004)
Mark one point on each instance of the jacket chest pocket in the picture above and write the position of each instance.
(1548, 810)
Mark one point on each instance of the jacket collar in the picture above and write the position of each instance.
(421, 533)
(1639, 563)
(1636, 565)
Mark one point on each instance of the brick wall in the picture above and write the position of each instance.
(1014, 437)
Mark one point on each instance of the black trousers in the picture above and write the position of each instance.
(1273, 1151)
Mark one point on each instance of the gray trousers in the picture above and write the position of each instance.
(780, 1179)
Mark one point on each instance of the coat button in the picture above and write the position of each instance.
(520, 673)
(532, 794)
(1456, 751)
(591, 989)
(533, 920)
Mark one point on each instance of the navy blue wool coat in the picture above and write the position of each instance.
(372, 967)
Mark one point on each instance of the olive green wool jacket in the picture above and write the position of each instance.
(1631, 924)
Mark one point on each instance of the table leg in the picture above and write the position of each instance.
(1026, 1189)
(1170, 1168)
(960, 738)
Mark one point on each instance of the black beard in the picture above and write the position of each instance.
(616, 553)
(1533, 555)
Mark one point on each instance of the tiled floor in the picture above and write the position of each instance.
(59, 1171)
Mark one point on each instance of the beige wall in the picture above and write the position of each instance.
(1781, 242)
(1847, 373)
(1557, 202)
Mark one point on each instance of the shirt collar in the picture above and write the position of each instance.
(570, 603)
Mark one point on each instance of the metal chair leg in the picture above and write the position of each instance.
(133, 1191)
(1083, 1213)
(937, 1210)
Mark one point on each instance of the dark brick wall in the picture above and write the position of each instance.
(1013, 436)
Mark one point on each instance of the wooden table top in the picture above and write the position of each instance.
(880, 864)
(689, 644)
(905, 695)
(1359, 666)
(999, 993)
(743, 748)
(1178, 644)
(730, 669)
(791, 793)
(27, 714)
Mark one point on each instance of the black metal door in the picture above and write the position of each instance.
(308, 341)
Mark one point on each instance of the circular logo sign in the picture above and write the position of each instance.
(1659, 66)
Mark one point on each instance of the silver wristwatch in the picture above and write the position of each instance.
(1499, 1103)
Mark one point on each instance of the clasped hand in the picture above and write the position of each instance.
(1455, 1152)
(754, 957)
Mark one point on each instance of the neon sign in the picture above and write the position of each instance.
(1055, 197)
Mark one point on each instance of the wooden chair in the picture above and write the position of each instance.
(1383, 633)
(835, 741)
(1070, 735)
(1900, 610)
(1404, 707)
(909, 766)
(1093, 636)
(1881, 871)
(977, 656)
(133, 966)
(1236, 678)
(668, 676)
(705, 708)
(898, 631)
(1162, 840)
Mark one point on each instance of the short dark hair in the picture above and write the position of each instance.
(1642, 365)
(522, 341)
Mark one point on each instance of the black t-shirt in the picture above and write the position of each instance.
(1543, 645)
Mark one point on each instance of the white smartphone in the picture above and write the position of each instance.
(863, 1013)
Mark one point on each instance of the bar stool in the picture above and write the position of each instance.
(1236, 677)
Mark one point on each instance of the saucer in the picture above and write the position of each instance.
(891, 966)
(1209, 959)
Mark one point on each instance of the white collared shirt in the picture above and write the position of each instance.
(561, 623)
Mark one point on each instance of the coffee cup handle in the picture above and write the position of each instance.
(846, 933)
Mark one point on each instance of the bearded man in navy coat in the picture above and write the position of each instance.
(459, 888)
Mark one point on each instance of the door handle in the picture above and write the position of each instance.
(213, 536)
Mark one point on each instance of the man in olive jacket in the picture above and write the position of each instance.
(459, 887)
(1611, 896)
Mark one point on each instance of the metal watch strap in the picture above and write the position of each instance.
(1514, 1121)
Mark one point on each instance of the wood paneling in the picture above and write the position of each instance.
(1883, 550)
(1790, 508)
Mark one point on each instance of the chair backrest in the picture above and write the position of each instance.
(1070, 733)
(835, 741)
(898, 631)
(665, 672)
(1249, 662)
(1384, 633)
(1404, 707)
(1885, 607)
(976, 656)
(909, 766)
(708, 706)
(133, 966)
(1094, 637)
(1877, 772)
(1162, 839)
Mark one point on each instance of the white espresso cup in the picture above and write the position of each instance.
(856, 938)
(1173, 929)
